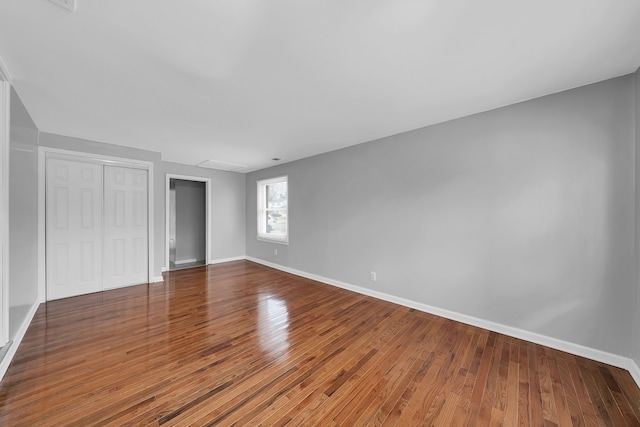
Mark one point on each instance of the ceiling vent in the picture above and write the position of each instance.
(67, 4)
(222, 166)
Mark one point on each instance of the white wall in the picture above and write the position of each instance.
(519, 216)
(23, 214)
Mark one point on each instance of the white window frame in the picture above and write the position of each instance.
(261, 202)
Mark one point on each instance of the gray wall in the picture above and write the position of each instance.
(23, 214)
(190, 216)
(520, 215)
(636, 325)
(227, 208)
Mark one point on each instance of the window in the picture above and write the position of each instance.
(273, 217)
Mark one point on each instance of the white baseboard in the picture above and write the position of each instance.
(558, 344)
(157, 279)
(634, 370)
(6, 360)
(221, 260)
(185, 261)
(213, 261)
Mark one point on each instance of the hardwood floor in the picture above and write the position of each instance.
(240, 343)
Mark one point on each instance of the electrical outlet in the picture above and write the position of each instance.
(275, 252)
(374, 276)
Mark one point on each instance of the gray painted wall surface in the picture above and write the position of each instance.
(227, 208)
(23, 214)
(190, 216)
(636, 312)
(520, 215)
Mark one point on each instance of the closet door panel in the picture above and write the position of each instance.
(125, 227)
(73, 228)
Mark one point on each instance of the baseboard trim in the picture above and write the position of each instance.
(634, 370)
(185, 261)
(221, 260)
(6, 360)
(558, 344)
(157, 279)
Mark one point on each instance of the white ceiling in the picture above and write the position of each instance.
(243, 81)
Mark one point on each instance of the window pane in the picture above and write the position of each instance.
(277, 222)
(277, 195)
(265, 227)
(273, 210)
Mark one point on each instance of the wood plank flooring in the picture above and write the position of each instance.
(243, 344)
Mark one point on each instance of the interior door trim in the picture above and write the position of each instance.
(5, 111)
(207, 225)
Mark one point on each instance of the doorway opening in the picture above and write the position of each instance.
(187, 222)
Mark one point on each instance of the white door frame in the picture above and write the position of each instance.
(207, 225)
(5, 110)
(46, 152)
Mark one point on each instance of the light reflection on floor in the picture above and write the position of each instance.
(273, 324)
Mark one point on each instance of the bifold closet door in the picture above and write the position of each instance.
(125, 227)
(73, 228)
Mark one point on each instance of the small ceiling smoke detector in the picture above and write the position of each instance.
(223, 166)
(276, 159)
(67, 4)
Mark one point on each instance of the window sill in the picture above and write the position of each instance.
(266, 239)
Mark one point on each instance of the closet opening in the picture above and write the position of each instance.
(95, 223)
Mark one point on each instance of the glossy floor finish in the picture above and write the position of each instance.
(240, 343)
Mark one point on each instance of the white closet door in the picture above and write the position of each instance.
(125, 227)
(74, 228)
